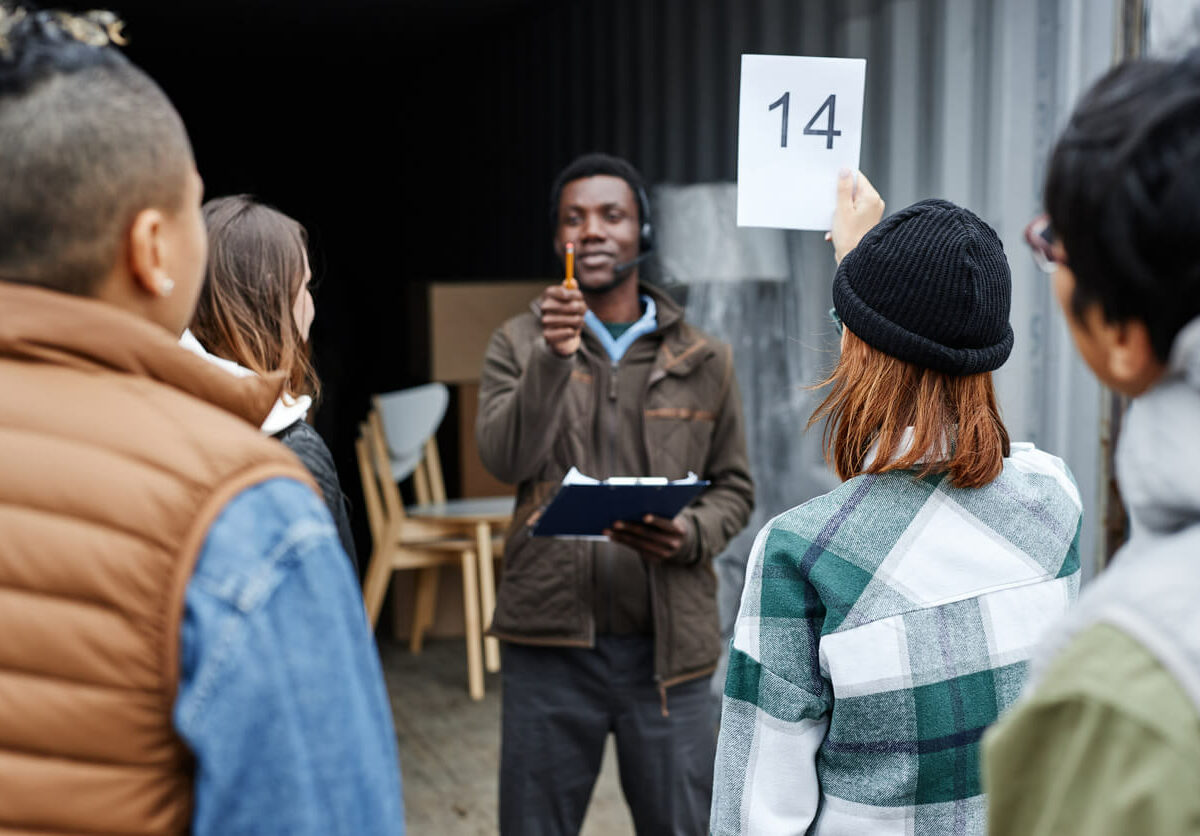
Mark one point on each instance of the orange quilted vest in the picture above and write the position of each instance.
(117, 451)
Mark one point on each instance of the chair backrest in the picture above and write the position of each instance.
(385, 507)
(372, 495)
(409, 418)
(381, 469)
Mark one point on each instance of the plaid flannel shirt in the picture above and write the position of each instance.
(882, 628)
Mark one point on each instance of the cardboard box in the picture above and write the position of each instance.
(462, 317)
(475, 481)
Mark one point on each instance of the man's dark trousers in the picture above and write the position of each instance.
(559, 706)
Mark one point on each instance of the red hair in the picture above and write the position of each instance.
(874, 398)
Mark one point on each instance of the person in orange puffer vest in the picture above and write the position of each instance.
(185, 649)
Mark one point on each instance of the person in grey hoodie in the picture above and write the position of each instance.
(1106, 739)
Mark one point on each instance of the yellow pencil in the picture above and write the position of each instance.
(569, 281)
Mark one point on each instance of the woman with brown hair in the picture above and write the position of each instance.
(885, 625)
(254, 316)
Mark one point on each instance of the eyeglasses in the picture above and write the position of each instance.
(837, 320)
(1041, 240)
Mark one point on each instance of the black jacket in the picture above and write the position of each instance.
(308, 446)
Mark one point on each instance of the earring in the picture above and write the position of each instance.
(166, 286)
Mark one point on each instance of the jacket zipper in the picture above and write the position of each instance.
(661, 683)
(658, 677)
(650, 570)
(612, 461)
(591, 553)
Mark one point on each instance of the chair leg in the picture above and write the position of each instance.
(424, 606)
(429, 613)
(487, 593)
(471, 621)
(375, 586)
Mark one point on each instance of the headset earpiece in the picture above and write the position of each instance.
(646, 237)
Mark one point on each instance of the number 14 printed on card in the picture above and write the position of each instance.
(799, 122)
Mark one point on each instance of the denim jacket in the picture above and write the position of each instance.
(281, 696)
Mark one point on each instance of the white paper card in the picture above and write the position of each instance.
(799, 122)
(576, 477)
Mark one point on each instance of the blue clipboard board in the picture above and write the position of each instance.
(586, 510)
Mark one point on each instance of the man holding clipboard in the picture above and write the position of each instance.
(622, 635)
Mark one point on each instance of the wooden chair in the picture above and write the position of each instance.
(400, 542)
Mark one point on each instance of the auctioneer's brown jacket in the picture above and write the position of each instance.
(670, 406)
(118, 448)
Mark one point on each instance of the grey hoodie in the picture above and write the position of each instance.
(1152, 591)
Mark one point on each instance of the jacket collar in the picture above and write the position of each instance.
(81, 333)
(669, 311)
(1158, 451)
(1185, 354)
(907, 439)
(680, 348)
(286, 411)
(683, 347)
(616, 347)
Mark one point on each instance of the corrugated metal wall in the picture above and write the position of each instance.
(964, 98)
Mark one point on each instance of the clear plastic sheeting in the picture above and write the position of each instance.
(747, 287)
(697, 237)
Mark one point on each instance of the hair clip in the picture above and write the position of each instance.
(98, 28)
(113, 26)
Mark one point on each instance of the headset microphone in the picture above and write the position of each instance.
(626, 266)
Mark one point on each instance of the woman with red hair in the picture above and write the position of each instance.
(885, 625)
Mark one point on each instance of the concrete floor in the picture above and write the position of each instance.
(450, 747)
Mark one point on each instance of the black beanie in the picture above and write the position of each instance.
(929, 285)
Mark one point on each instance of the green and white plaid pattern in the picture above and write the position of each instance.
(883, 627)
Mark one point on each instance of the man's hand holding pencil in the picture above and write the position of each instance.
(562, 311)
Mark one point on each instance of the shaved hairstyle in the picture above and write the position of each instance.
(88, 141)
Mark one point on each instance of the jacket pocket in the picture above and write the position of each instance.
(539, 593)
(694, 630)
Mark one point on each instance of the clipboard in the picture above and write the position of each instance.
(584, 507)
